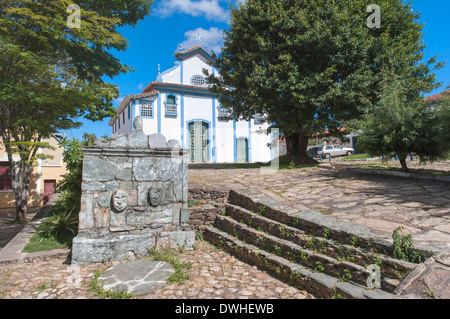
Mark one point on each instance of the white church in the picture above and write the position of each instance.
(179, 105)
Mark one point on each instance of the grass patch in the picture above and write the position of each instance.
(357, 156)
(60, 226)
(169, 256)
(39, 243)
(99, 291)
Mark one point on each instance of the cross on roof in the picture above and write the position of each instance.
(198, 38)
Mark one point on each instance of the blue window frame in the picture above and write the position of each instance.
(171, 105)
(198, 80)
(129, 111)
(146, 109)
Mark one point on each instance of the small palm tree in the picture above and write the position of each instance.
(58, 225)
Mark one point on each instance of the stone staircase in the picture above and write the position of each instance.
(308, 250)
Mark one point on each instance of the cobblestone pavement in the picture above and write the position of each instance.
(379, 202)
(214, 274)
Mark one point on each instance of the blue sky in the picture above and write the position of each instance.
(173, 22)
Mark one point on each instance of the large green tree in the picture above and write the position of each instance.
(311, 65)
(52, 73)
(399, 125)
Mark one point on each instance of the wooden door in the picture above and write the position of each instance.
(199, 142)
(242, 150)
(49, 189)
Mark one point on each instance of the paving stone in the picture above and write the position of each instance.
(138, 277)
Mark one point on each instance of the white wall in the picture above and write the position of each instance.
(171, 125)
(172, 76)
(194, 66)
(150, 124)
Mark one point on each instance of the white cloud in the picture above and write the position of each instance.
(210, 9)
(212, 39)
(119, 100)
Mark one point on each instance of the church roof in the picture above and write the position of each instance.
(156, 85)
(197, 49)
(127, 101)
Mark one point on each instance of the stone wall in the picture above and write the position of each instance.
(205, 204)
(134, 197)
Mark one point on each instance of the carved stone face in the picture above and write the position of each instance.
(155, 196)
(119, 200)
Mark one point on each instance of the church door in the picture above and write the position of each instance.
(242, 150)
(199, 141)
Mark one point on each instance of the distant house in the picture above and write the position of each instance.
(43, 178)
(179, 105)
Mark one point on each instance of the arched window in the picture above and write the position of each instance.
(171, 105)
(171, 99)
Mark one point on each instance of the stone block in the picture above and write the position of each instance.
(178, 239)
(97, 169)
(137, 140)
(111, 248)
(157, 141)
(110, 186)
(167, 192)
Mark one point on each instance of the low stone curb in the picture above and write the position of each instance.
(399, 174)
(36, 256)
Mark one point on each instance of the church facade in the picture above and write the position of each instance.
(179, 105)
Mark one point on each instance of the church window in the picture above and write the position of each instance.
(146, 109)
(171, 105)
(225, 113)
(198, 80)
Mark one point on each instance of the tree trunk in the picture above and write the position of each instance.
(20, 194)
(403, 164)
(296, 147)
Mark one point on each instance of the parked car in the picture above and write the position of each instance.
(335, 150)
(314, 151)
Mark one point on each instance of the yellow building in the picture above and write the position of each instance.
(44, 177)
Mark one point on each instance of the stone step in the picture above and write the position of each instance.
(319, 284)
(315, 224)
(390, 268)
(317, 261)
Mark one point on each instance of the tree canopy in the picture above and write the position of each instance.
(311, 65)
(52, 73)
(399, 125)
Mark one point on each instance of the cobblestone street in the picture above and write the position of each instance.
(214, 274)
